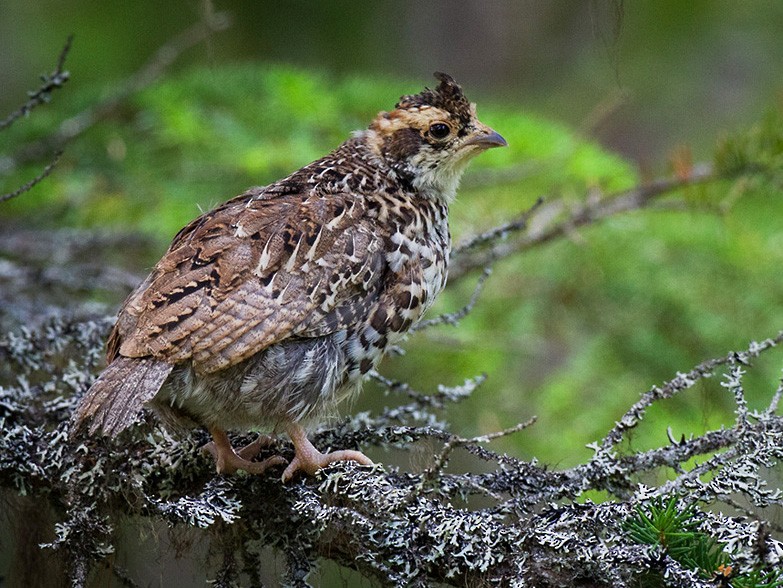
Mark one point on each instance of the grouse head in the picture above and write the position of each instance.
(429, 138)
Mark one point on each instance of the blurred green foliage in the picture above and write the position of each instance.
(572, 332)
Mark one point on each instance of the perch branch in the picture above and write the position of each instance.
(531, 521)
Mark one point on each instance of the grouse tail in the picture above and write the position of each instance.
(116, 398)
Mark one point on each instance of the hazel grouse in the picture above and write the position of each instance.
(267, 311)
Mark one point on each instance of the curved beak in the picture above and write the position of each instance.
(486, 138)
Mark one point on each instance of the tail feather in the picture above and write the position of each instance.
(115, 399)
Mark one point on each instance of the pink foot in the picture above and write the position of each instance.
(309, 460)
(228, 461)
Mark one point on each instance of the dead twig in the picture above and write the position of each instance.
(43, 94)
(25, 187)
(453, 318)
(543, 223)
(160, 61)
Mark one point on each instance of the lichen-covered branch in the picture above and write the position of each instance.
(517, 523)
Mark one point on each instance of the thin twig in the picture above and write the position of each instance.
(542, 225)
(51, 82)
(441, 459)
(453, 318)
(500, 232)
(775, 402)
(392, 385)
(498, 434)
(162, 59)
(751, 514)
(713, 464)
(437, 399)
(453, 442)
(22, 189)
(682, 382)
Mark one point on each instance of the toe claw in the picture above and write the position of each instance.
(228, 461)
(310, 460)
(314, 462)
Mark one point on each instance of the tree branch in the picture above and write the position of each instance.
(43, 94)
(544, 222)
(515, 520)
(29, 185)
(161, 60)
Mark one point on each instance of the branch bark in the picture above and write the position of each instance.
(517, 523)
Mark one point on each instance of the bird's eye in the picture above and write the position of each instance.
(439, 130)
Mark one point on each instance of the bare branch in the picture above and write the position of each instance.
(160, 61)
(29, 185)
(543, 223)
(453, 318)
(499, 233)
(43, 94)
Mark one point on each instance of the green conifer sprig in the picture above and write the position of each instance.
(675, 529)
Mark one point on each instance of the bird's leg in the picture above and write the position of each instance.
(253, 448)
(228, 461)
(310, 460)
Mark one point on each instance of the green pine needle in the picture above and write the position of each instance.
(675, 529)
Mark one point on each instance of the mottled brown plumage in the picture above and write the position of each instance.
(269, 309)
